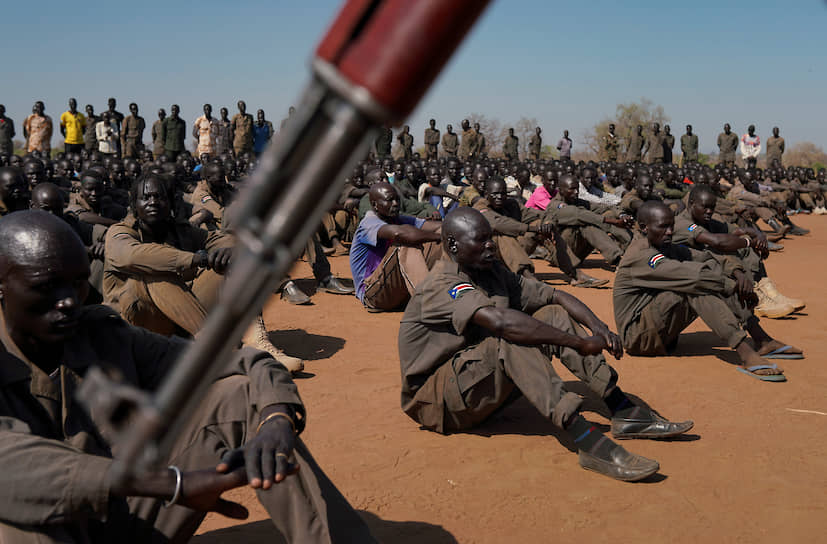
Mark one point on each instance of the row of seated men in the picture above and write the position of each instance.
(560, 212)
(478, 327)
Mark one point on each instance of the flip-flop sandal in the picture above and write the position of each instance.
(780, 353)
(750, 371)
(591, 282)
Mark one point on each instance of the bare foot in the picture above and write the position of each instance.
(773, 345)
(750, 358)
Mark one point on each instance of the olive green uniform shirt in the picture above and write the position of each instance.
(204, 198)
(133, 129)
(611, 144)
(775, 149)
(157, 138)
(655, 149)
(242, 132)
(174, 131)
(437, 325)
(636, 143)
(55, 455)
(406, 141)
(90, 137)
(383, 143)
(668, 145)
(468, 145)
(510, 147)
(689, 147)
(644, 271)
(727, 144)
(6, 136)
(128, 256)
(450, 143)
(535, 145)
(431, 141)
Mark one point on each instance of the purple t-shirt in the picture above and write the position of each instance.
(368, 250)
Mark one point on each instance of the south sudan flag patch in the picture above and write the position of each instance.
(692, 227)
(655, 260)
(460, 288)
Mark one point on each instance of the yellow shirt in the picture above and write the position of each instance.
(74, 125)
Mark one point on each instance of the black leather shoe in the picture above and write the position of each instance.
(648, 427)
(619, 464)
(333, 285)
(292, 294)
(798, 231)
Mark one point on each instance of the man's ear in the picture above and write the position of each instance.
(452, 244)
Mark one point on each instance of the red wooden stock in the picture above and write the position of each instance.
(396, 48)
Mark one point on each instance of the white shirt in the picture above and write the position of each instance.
(603, 198)
(107, 136)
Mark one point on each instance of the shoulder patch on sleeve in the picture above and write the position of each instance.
(561, 205)
(692, 227)
(655, 260)
(460, 288)
(205, 198)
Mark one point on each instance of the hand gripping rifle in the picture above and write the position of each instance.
(370, 70)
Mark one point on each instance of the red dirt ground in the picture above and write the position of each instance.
(753, 471)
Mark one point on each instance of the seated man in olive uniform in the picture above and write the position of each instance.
(90, 204)
(586, 225)
(164, 275)
(644, 191)
(697, 228)
(661, 288)
(209, 201)
(475, 333)
(519, 230)
(57, 483)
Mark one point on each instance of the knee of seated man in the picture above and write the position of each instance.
(553, 314)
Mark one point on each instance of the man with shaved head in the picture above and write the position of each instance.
(57, 486)
(49, 198)
(391, 253)
(661, 288)
(14, 191)
(475, 333)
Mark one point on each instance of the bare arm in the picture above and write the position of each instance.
(520, 328)
(408, 235)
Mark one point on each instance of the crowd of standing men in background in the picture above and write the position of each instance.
(113, 133)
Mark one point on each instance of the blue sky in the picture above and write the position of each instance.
(567, 64)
